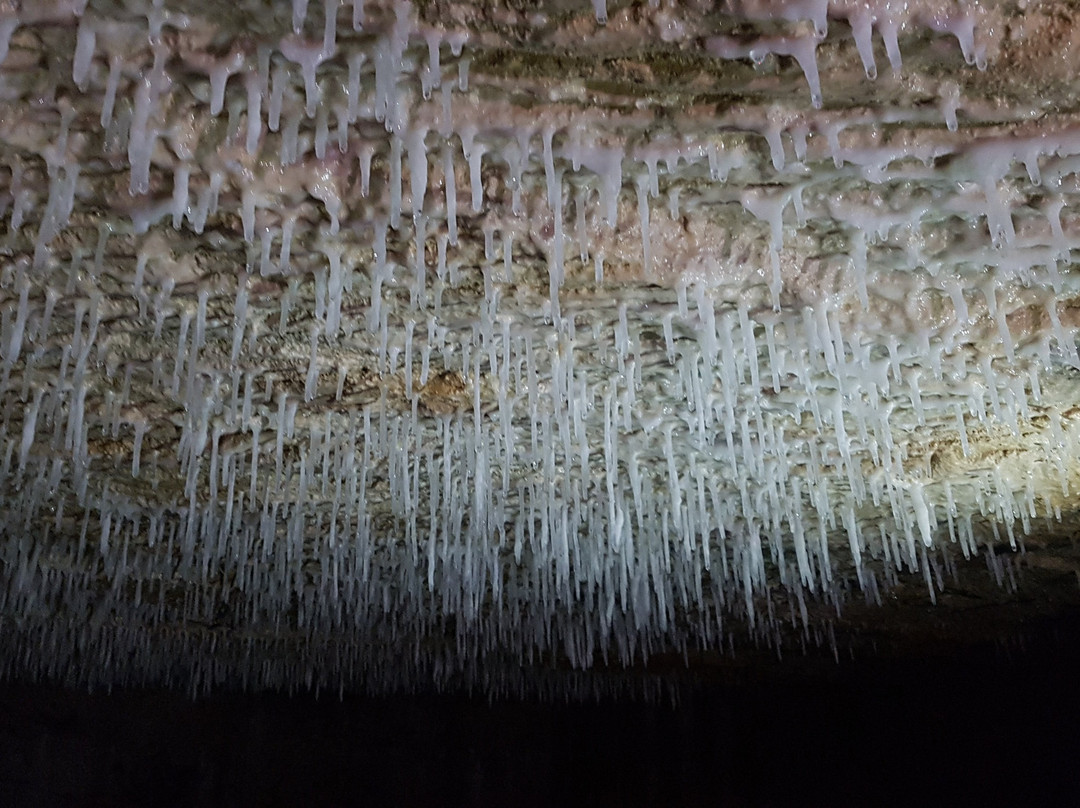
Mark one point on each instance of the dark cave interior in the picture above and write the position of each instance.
(994, 724)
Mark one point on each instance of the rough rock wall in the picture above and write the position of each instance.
(369, 344)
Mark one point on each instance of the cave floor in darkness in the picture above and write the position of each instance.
(994, 725)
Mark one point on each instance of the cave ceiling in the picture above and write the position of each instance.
(554, 346)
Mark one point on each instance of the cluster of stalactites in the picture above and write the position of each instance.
(464, 460)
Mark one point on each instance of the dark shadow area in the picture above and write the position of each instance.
(996, 726)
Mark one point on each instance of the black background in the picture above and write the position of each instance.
(994, 725)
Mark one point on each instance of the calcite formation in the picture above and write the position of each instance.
(387, 345)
